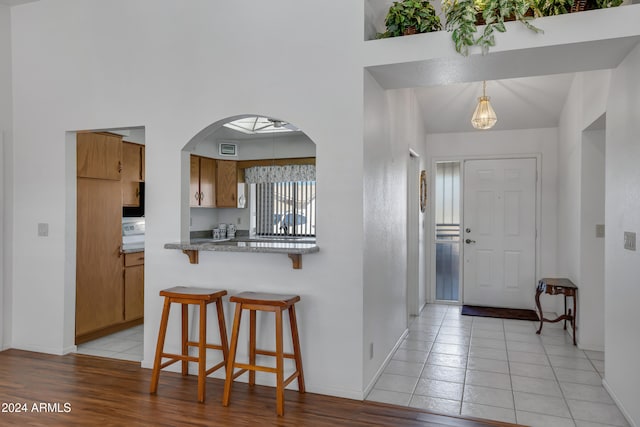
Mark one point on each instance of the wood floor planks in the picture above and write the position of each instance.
(100, 391)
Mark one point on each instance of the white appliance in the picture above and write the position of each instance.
(132, 233)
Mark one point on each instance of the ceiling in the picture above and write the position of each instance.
(15, 2)
(520, 103)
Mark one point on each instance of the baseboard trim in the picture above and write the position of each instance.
(386, 361)
(619, 404)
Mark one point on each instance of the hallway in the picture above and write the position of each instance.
(496, 369)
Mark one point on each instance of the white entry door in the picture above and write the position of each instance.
(499, 232)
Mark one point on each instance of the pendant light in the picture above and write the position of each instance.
(484, 117)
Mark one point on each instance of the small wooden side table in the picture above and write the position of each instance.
(559, 286)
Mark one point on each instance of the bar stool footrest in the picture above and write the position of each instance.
(210, 346)
(214, 368)
(273, 354)
(259, 368)
(238, 373)
(173, 358)
(293, 376)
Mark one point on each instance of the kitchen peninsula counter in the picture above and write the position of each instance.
(294, 248)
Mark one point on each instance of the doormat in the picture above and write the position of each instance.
(502, 313)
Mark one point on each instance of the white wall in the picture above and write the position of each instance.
(486, 144)
(175, 70)
(586, 103)
(592, 202)
(622, 267)
(6, 119)
(392, 125)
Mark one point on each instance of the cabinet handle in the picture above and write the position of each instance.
(201, 196)
(197, 196)
(119, 166)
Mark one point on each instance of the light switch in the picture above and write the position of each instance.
(630, 240)
(599, 230)
(43, 229)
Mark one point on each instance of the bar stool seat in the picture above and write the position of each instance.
(201, 297)
(276, 303)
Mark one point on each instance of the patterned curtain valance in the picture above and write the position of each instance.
(286, 173)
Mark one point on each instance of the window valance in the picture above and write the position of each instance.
(285, 173)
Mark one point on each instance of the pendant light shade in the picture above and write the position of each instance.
(484, 117)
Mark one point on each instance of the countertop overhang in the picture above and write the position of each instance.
(294, 248)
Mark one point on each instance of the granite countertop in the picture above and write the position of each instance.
(244, 244)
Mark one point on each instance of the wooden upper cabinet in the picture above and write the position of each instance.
(132, 173)
(213, 183)
(202, 182)
(99, 155)
(227, 184)
(207, 182)
(194, 181)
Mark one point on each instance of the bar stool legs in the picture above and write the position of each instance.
(185, 296)
(277, 304)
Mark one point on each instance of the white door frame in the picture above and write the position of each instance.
(413, 235)
(431, 229)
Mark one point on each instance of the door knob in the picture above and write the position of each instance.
(468, 241)
(468, 230)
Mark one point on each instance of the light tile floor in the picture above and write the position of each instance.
(497, 369)
(123, 345)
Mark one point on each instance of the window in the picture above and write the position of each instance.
(260, 125)
(447, 218)
(286, 208)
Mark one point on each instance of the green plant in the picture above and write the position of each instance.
(551, 7)
(461, 21)
(558, 7)
(495, 13)
(603, 4)
(410, 16)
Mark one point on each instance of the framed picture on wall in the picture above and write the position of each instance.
(423, 191)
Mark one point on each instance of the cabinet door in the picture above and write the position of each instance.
(99, 155)
(194, 182)
(142, 159)
(133, 292)
(207, 182)
(227, 184)
(98, 262)
(131, 173)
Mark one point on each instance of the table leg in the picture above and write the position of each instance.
(538, 292)
(565, 311)
(573, 320)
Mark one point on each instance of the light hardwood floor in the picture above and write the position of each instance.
(100, 391)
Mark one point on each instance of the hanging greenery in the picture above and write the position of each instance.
(461, 17)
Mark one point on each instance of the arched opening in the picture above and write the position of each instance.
(248, 176)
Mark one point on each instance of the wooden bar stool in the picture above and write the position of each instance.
(200, 297)
(254, 301)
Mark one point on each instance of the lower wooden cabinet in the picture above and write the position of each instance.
(133, 286)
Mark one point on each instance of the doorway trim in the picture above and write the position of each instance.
(413, 235)
(431, 228)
